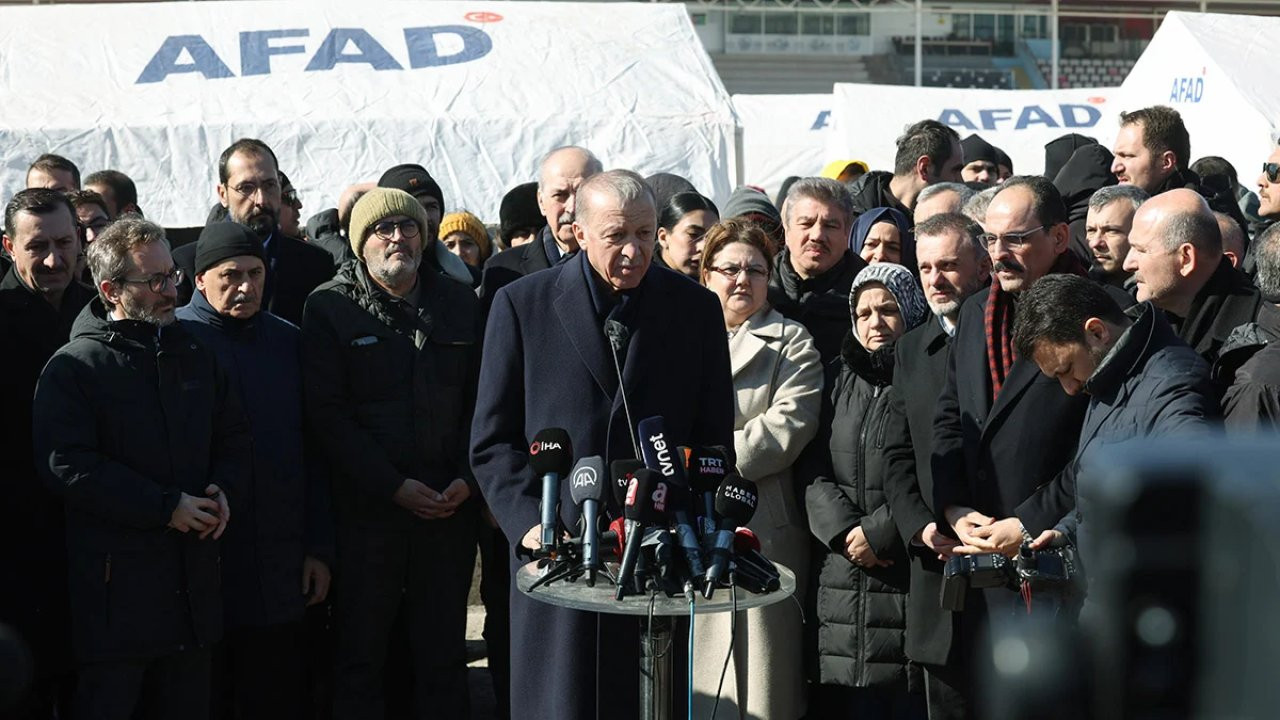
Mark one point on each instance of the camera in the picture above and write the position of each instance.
(972, 571)
(1051, 571)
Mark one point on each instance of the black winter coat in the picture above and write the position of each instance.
(872, 191)
(514, 263)
(820, 304)
(125, 422)
(1250, 364)
(282, 507)
(325, 232)
(1226, 302)
(1088, 171)
(860, 612)
(389, 388)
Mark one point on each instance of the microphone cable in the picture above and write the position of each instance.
(690, 662)
(733, 641)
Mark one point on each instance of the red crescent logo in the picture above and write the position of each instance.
(483, 17)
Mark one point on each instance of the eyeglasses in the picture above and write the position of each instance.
(387, 229)
(157, 282)
(1013, 240)
(248, 190)
(1272, 170)
(731, 272)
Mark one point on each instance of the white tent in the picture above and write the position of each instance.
(1020, 122)
(783, 135)
(1216, 71)
(476, 92)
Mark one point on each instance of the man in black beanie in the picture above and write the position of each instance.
(980, 162)
(518, 216)
(415, 180)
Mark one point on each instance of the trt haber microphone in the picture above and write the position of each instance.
(645, 506)
(707, 469)
(736, 500)
(621, 472)
(550, 456)
(587, 487)
(661, 454)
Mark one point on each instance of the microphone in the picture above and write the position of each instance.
(736, 500)
(621, 471)
(550, 455)
(646, 503)
(661, 455)
(751, 568)
(707, 469)
(619, 335)
(586, 487)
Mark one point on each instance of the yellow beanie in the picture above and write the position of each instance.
(836, 168)
(464, 222)
(381, 203)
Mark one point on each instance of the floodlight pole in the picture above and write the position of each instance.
(1055, 49)
(919, 43)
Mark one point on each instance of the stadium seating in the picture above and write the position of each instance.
(1087, 72)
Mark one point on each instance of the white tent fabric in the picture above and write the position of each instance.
(783, 135)
(476, 92)
(1020, 122)
(1216, 71)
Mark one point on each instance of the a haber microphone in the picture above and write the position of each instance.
(621, 472)
(736, 500)
(550, 455)
(645, 506)
(661, 454)
(586, 487)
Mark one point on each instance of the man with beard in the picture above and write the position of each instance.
(249, 187)
(390, 351)
(140, 431)
(953, 265)
(39, 299)
(275, 558)
(1106, 230)
(813, 273)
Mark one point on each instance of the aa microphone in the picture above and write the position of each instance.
(707, 469)
(660, 454)
(736, 500)
(645, 505)
(550, 455)
(586, 487)
(621, 472)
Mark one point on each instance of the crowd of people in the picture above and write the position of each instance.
(249, 476)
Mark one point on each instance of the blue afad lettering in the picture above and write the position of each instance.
(183, 54)
(1067, 116)
(823, 120)
(1187, 90)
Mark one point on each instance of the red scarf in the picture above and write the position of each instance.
(999, 322)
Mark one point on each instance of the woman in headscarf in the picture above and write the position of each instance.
(884, 235)
(862, 572)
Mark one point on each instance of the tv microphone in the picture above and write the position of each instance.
(586, 487)
(550, 455)
(645, 505)
(736, 500)
(661, 454)
(707, 469)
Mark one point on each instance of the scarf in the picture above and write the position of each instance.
(999, 322)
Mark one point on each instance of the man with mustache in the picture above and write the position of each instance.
(953, 265)
(390, 352)
(249, 187)
(275, 559)
(1106, 231)
(813, 273)
(39, 300)
(140, 431)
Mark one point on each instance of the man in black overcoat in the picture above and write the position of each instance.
(546, 364)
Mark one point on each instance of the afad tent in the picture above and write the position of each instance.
(476, 92)
(1216, 71)
(783, 135)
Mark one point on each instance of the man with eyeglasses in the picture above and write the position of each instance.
(249, 187)
(390, 353)
(290, 208)
(139, 430)
(1269, 188)
(39, 300)
(1003, 429)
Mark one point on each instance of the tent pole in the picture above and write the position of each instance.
(1054, 49)
(919, 43)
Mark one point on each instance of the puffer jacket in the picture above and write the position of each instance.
(860, 614)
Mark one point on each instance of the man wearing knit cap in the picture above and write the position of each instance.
(415, 180)
(519, 218)
(754, 206)
(249, 187)
(561, 172)
(275, 559)
(980, 161)
(390, 351)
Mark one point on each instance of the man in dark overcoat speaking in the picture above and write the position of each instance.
(547, 364)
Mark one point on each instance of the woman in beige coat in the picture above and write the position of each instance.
(777, 378)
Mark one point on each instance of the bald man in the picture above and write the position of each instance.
(1175, 255)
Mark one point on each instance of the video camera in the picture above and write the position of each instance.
(1052, 571)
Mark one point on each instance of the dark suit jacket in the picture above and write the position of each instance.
(992, 456)
(547, 364)
(512, 264)
(920, 369)
(294, 270)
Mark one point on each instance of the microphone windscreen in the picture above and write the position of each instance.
(551, 452)
(736, 499)
(619, 528)
(621, 472)
(587, 481)
(707, 469)
(744, 540)
(646, 497)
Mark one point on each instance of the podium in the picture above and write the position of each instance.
(656, 699)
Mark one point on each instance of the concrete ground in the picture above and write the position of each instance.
(482, 698)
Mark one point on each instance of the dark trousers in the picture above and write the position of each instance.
(495, 593)
(168, 687)
(837, 702)
(260, 674)
(947, 690)
(424, 571)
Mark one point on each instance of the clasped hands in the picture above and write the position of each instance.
(979, 533)
(428, 504)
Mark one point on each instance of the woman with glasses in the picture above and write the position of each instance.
(777, 376)
(862, 572)
(682, 226)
